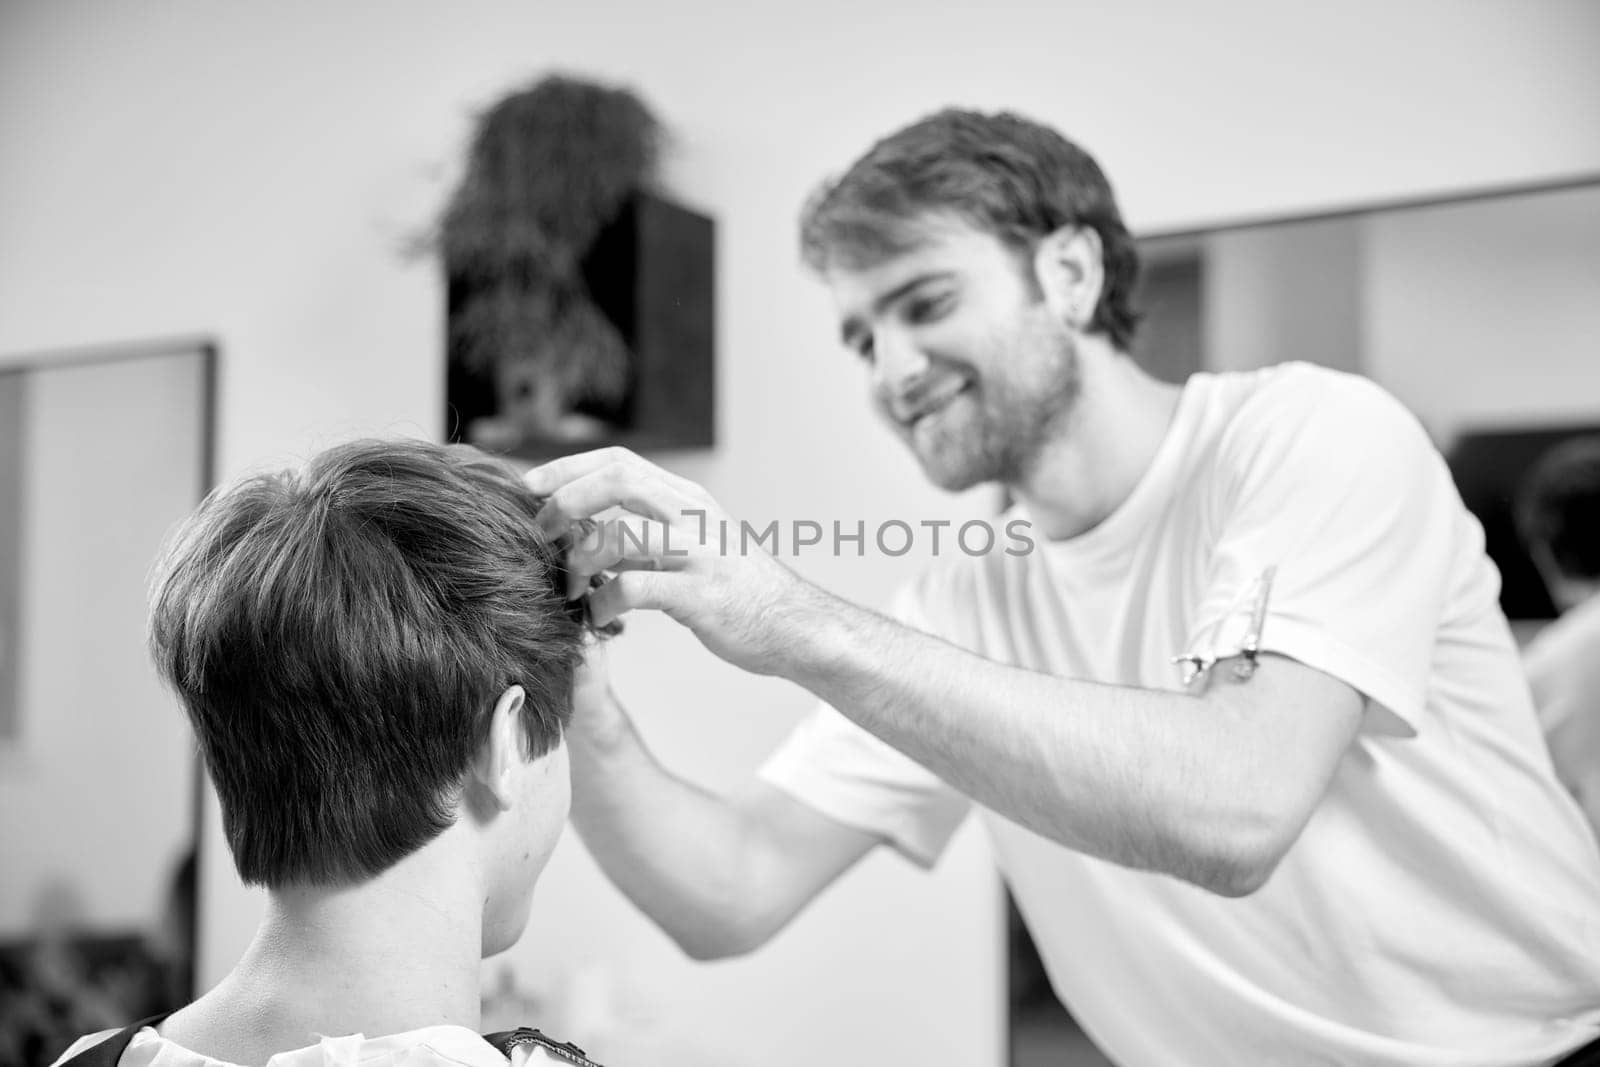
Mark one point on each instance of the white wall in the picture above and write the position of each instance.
(1284, 293)
(1488, 314)
(1475, 314)
(251, 172)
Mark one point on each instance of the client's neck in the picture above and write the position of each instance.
(395, 953)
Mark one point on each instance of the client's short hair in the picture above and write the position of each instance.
(1559, 506)
(339, 637)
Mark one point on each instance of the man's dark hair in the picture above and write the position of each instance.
(1559, 506)
(339, 637)
(1002, 173)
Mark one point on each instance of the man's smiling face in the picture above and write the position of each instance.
(969, 366)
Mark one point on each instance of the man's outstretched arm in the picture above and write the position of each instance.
(719, 875)
(1211, 786)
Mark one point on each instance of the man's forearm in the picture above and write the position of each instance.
(671, 847)
(1156, 780)
(1211, 788)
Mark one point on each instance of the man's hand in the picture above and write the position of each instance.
(664, 536)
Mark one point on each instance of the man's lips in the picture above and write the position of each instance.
(932, 399)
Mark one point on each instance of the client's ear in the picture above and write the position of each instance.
(497, 761)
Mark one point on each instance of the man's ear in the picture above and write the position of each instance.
(494, 768)
(1068, 267)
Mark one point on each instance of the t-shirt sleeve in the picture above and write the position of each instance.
(1338, 529)
(839, 769)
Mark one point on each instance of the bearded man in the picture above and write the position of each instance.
(1246, 728)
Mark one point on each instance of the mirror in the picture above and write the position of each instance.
(101, 452)
(1480, 313)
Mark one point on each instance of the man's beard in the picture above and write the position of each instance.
(1017, 414)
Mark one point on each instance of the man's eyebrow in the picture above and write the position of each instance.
(851, 328)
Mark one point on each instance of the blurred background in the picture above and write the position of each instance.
(209, 263)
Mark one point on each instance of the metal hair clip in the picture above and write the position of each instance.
(1248, 650)
(1194, 665)
(578, 609)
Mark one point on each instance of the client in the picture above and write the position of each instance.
(378, 661)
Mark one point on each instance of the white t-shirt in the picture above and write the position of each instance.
(1442, 906)
(431, 1046)
(1563, 665)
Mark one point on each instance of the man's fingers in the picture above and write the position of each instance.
(629, 591)
(637, 550)
(641, 490)
(546, 478)
(629, 543)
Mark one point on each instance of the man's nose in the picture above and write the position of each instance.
(897, 362)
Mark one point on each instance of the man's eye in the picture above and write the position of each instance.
(863, 347)
(929, 310)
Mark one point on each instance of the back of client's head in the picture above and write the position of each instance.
(1558, 514)
(344, 640)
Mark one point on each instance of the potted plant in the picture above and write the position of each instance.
(550, 166)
